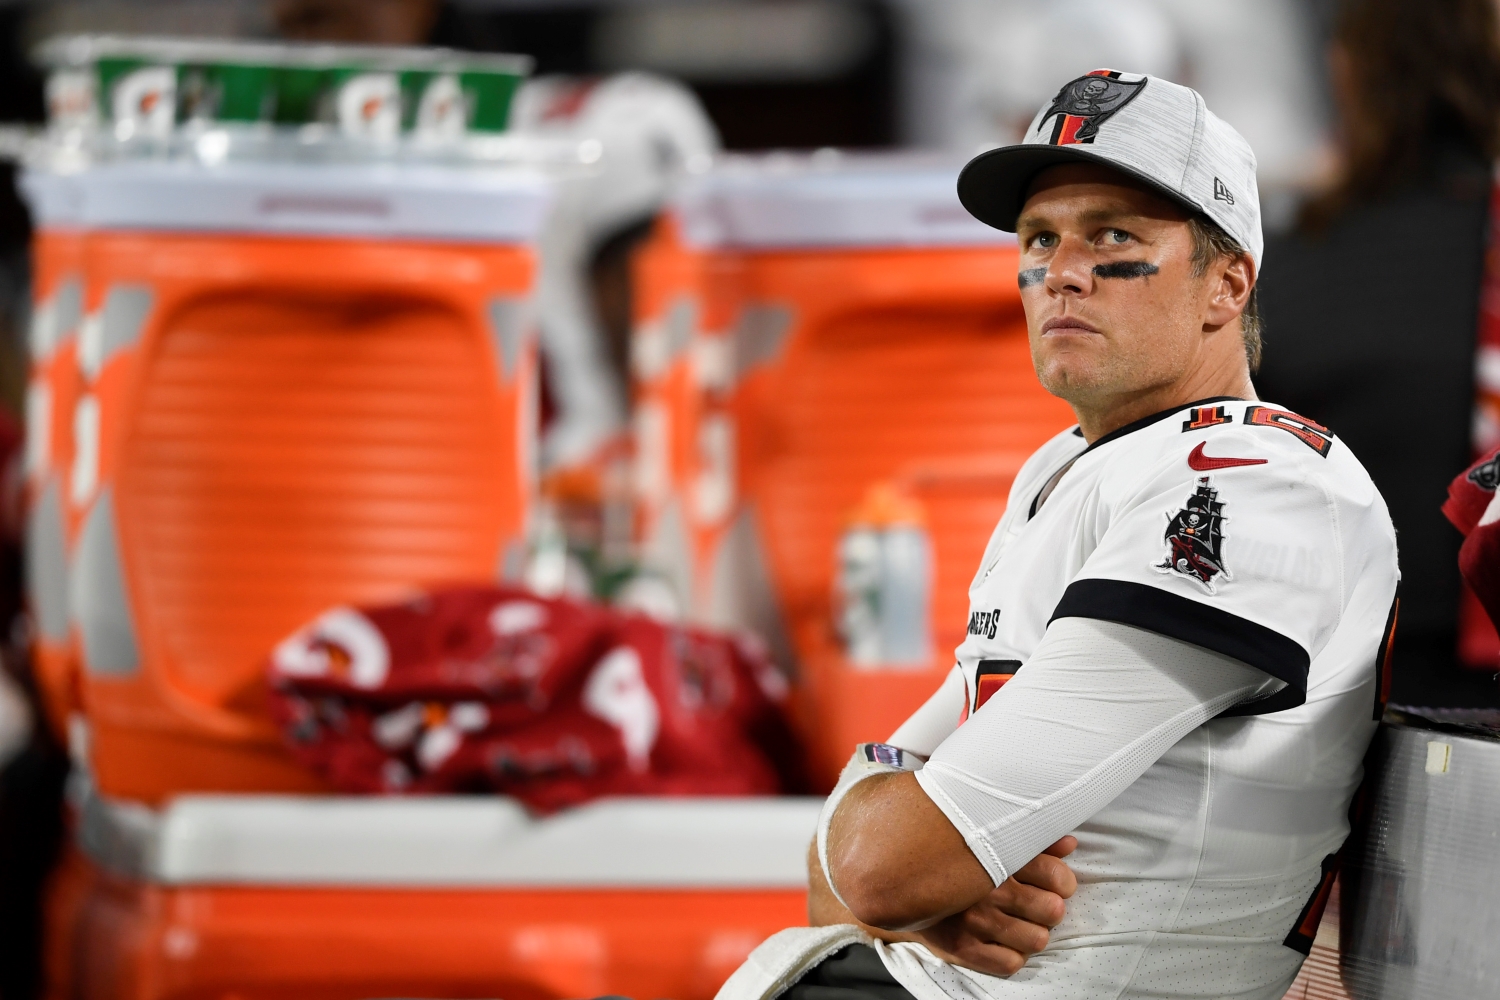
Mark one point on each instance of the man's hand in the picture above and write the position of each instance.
(1000, 932)
(996, 935)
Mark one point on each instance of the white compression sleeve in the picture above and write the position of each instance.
(935, 721)
(1096, 705)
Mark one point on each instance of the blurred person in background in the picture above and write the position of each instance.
(646, 132)
(1372, 304)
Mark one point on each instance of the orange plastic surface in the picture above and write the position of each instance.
(302, 423)
(908, 366)
(153, 943)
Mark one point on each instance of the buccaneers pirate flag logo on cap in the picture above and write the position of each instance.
(1085, 104)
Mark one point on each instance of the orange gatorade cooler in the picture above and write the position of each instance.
(57, 309)
(295, 386)
(858, 332)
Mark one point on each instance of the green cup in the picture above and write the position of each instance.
(138, 94)
(224, 91)
(465, 96)
(297, 92)
(352, 87)
(490, 93)
(154, 84)
(363, 101)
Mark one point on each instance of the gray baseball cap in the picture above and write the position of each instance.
(1152, 129)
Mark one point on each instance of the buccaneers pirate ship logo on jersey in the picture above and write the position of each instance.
(1195, 538)
(1085, 104)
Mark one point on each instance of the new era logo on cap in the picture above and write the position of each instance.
(1156, 131)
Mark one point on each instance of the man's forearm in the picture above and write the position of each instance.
(824, 908)
(930, 874)
(995, 937)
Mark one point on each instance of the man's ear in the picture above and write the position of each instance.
(1231, 281)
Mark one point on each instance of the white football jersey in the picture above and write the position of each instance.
(1246, 530)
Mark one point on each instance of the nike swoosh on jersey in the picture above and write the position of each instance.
(1199, 462)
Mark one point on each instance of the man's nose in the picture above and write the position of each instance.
(1071, 270)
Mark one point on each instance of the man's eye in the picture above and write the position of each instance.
(1117, 236)
(1044, 241)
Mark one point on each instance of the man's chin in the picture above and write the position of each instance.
(1072, 383)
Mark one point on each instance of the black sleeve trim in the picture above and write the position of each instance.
(1200, 624)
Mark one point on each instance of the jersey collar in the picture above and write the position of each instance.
(1136, 425)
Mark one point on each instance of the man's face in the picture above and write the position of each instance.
(1112, 304)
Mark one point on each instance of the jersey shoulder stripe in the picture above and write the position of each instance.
(1129, 603)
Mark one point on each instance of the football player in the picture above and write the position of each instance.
(1176, 631)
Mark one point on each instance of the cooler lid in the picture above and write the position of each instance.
(504, 205)
(55, 200)
(831, 199)
(470, 841)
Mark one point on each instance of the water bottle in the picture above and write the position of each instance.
(859, 583)
(885, 583)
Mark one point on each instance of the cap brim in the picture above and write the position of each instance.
(993, 185)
